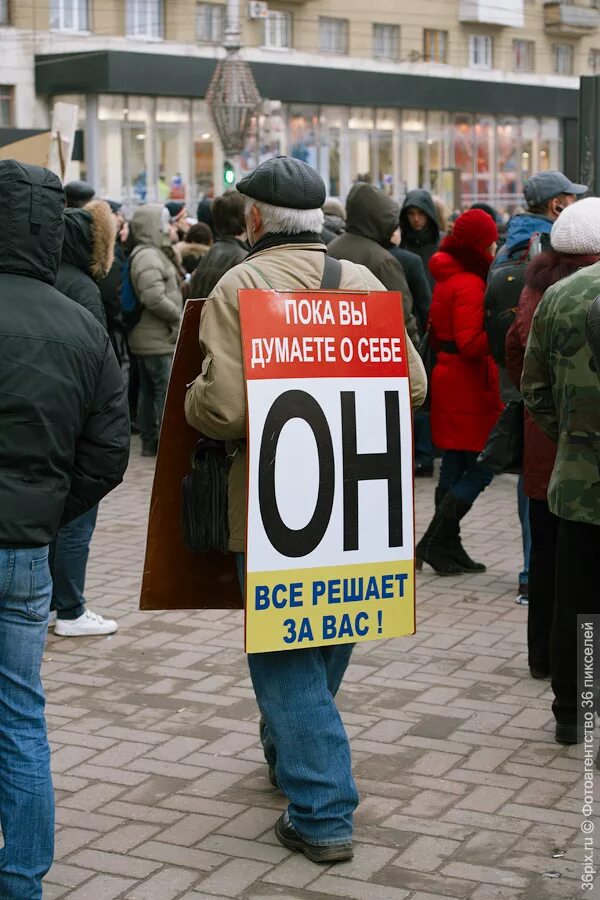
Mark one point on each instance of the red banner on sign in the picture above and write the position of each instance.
(312, 335)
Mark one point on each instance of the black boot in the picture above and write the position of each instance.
(456, 509)
(435, 547)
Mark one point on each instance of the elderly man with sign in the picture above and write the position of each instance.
(304, 739)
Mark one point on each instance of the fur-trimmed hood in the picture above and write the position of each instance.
(89, 242)
(548, 267)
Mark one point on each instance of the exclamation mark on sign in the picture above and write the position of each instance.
(379, 621)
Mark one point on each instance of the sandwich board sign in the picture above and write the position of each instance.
(330, 532)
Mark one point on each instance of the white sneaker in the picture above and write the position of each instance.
(52, 619)
(86, 625)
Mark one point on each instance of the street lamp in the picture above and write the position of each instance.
(232, 95)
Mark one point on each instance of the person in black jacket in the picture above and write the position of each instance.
(417, 281)
(110, 288)
(229, 247)
(64, 444)
(419, 227)
(87, 258)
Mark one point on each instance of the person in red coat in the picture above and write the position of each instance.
(465, 396)
(568, 254)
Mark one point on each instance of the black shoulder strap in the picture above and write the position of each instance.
(332, 274)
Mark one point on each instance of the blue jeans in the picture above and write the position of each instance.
(304, 737)
(423, 444)
(463, 475)
(154, 374)
(26, 798)
(523, 503)
(68, 561)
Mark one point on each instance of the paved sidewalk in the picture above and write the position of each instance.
(162, 791)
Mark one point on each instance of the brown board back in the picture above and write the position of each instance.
(173, 577)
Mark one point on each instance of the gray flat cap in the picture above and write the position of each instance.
(546, 185)
(283, 181)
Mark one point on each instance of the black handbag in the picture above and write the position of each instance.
(503, 451)
(204, 498)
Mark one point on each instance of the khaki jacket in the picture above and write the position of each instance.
(216, 404)
(154, 280)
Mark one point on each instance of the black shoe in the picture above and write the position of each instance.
(568, 734)
(423, 471)
(436, 546)
(287, 835)
(460, 555)
(150, 449)
(456, 509)
(539, 672)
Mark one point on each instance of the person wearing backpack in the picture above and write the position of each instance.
(155, 284)
(547, 194)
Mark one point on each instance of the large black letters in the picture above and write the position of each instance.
(371, 467)
(289, 541)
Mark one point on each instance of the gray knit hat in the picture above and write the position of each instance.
(284, 181)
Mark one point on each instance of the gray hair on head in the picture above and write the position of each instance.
(279, 220)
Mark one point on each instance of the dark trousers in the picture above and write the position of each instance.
(463, 475)
(154, 374)
(542, 583)
(577, 593)
(68, 563)
(424, 451)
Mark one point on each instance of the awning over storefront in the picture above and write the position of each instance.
(162, 75)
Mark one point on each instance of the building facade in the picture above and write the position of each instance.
(464, 97)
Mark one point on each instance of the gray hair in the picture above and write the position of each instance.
(279, 220)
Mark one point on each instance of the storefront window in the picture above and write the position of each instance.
(387, 164)
(508, 138)
(173, 144)
(204, 164)
(438, 150)
(360, 131)
(464, 156)
(333, 122)
(529, 147)
(549, 152)
(303, 124)
(414, 148)
(485, 158)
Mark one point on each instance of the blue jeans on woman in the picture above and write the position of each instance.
(463, 475)
(304, 737)
(26, 797)
(68, 563)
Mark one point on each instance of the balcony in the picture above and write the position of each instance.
(501, 13)
(568, 20)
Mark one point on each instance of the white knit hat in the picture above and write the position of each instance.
(577, 229)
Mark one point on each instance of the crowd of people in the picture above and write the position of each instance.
(90, 308)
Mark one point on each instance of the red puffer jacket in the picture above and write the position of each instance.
(543, 271)
(465, 397)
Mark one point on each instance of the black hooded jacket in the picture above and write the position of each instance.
(371, 219)
(74, 278)
(425, 242)
(64, 434)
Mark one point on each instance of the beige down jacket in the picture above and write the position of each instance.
(215, 404)
(154, 280)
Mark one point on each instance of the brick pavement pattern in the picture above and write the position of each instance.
(162, 791)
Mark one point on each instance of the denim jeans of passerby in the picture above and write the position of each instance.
(154, 374)
(463, 475)
(68, 562)
(523, 504)
(424, 452)
(304, 737)
(26, 797)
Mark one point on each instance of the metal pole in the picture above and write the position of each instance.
(92, 140)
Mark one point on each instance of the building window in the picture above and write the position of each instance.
(210, 23)
(594, 60)
(435, 46)
(4, 13)
(333, 35)
(523, 56)
(6, 105)
(386, 42)
(481, 51)
(278, 30)
(69, 15)
(563, 59)
(144, 18)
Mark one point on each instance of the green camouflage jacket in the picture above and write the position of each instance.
(561, 388)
